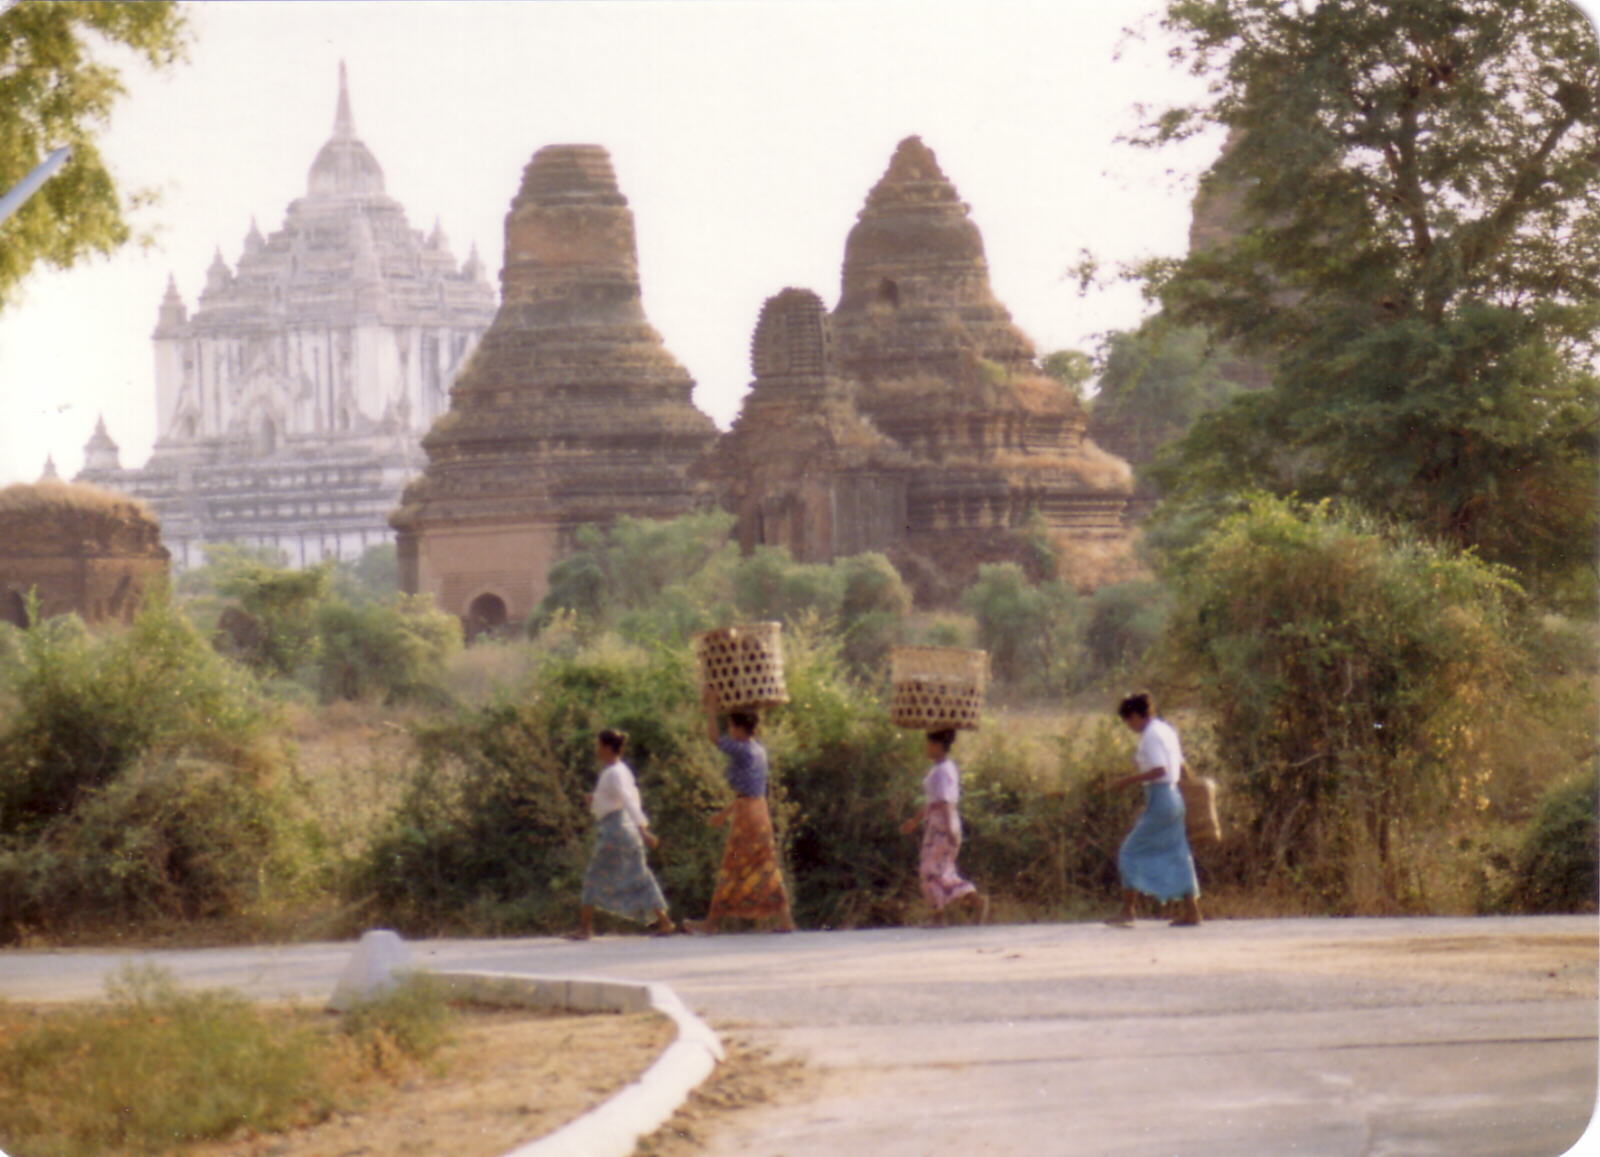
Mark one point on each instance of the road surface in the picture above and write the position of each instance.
(1309, 1036)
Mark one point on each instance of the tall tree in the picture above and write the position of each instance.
(1418, 248)
(58, 84)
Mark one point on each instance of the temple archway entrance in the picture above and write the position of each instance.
(14, 610)
(486, 615)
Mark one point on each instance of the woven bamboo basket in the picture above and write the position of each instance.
(936, 688)
(744, 663)
(1201, 822)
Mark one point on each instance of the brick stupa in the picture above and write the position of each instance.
(78, 549)
(941, 369)
(571, 410)
(801, 467)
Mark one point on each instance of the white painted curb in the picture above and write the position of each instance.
(613, 1128)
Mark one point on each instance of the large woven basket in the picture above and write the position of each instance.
(936, 688)
(744, 663)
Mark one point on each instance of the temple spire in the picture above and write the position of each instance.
(344, 125)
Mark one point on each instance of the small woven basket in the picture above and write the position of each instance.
(744, 664)
(936, 688)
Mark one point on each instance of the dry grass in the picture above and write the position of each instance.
(53, 495)
(157, 1070)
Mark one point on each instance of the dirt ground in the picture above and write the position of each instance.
(506, 1079)
(751, 1076)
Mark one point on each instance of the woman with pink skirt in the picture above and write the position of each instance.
(942, 884)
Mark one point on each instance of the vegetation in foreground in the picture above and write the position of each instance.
(1395, 725)
(156, 1067)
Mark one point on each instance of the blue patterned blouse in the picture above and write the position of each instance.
(747, 765)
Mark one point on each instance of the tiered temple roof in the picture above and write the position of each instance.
(291, 402)
(572, 410)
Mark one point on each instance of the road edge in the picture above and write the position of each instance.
(613, 1128)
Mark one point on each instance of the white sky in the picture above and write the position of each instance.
(745, 136)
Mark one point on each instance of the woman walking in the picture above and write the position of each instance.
(942, 884)
(1155, 857)
(749, 884)
(619, 880)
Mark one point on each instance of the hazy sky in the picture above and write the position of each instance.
(745, 135)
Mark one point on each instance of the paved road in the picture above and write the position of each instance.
(1360, 1037)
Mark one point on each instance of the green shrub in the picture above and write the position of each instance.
(87, 707)
(398, 649)
(155, 1066)
(135, 783)
(282, 605)
(169, 839)
(494, 833)
(873, 604)
(1556, 867)
(412, 1016)
(848, 778)
(373, 577)
(1354, 678)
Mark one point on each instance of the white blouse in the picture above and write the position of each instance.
(1158, 747)
(616, 791)
(942, 784)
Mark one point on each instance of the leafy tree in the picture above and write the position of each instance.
(1417, 246)
(626, 566)
(58, 86)
(1155, 382)
(1126, 620)
(1072, 368)
(769, 584)
(1034, 634)
(874, 602)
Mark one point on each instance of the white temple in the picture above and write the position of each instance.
(292, 402)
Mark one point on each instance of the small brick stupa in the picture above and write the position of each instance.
(801, 468)
(941, 369)
(77, 548)
(570, 411)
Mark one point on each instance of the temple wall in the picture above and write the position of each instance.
(458, 564)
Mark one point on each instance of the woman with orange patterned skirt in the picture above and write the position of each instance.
(749, 882)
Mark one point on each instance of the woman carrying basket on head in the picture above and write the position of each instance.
(940, 815)
(1155, 858)
(749, 883)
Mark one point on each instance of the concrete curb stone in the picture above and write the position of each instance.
(613, 1128)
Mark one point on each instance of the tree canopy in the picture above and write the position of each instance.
(58, 84)
(1415, 241)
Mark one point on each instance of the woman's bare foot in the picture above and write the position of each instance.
(1120, 920)
(699, 927)
(980, 907)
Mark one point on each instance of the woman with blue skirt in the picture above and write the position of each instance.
(619, 880)
(1155, 858)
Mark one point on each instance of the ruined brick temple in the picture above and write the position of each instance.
(571, 410)
(79, 549)
(911, 420)
(931, 406)
(801, 467)
(292, 401)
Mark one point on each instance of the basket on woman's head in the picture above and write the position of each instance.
(937, 688)
(743, 664)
